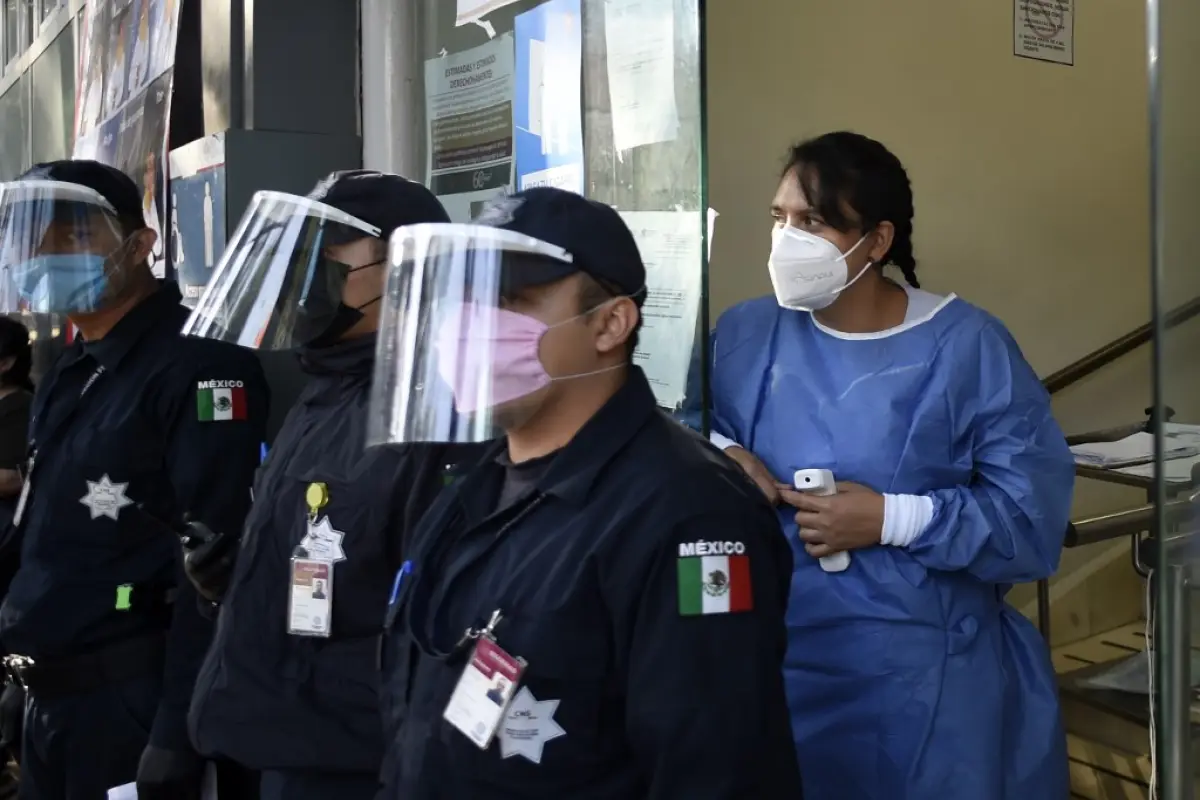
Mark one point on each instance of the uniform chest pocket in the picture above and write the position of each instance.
(345, 507)
(569, 661)
(132, 447)
(119, 464)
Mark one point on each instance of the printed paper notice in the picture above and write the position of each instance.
(469, 108)
(471, 10)
(1044, 30)
(670, 242)
(640, 36)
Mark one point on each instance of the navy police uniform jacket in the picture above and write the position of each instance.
(643, 579)
(130, 432)
(271, 700)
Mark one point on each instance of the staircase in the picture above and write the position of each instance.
(1108, 752)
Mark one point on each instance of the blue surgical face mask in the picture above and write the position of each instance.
(62, 283)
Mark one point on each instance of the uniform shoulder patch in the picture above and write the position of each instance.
(714, 578)
(220, 401)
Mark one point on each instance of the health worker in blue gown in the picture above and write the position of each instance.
(908, 676)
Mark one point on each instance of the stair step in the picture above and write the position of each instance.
(1108, 740)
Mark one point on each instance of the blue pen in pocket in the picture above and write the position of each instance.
(405, 569)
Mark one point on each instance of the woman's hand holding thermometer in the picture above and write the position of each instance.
(820, 482)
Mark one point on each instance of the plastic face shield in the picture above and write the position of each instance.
(61, 246)
(457, 361)
(279, 283)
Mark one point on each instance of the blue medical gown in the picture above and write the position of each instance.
(908, 676)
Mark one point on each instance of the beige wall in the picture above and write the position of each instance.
(1030, 179)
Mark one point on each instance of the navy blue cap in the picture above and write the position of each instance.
(598, 240)
(380, 199)
(109, 182)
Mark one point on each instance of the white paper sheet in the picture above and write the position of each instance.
(207, 792)
(640, 37)
(712, 226)
(1044, 30)
(468, 112)
(670, 245)
(537, 86)
(471, 10)
(1181, 442)
(1177, 469)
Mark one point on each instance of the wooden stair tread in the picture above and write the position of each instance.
(1101, 770)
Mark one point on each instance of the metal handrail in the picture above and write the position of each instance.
(1128, 522)
(1094, 361)
(1101, 528)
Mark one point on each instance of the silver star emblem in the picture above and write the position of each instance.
(324, 542)
(528, 725)
(499, 211)
(105, 498)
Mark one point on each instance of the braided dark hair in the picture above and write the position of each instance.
(850, 168)
(14, 343)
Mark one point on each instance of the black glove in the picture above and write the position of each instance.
(12, 719)
(208, 560)
(169, 775)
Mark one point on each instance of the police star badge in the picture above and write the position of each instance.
(498, 211)
(105, 498)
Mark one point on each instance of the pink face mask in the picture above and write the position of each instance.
(489, 356)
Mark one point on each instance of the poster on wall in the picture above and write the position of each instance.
(640, 37)
(1044, 30)
(548, 103)
(122, 108)
(469, 114)
(197, 226)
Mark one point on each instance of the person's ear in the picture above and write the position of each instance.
(142, 244)
(880, 241)
(7, 363)
(618, 323)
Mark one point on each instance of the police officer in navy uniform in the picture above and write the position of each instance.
(602, 569)
(290, 686)
(133, 428)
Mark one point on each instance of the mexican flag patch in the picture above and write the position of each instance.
(218, 401)
(714, 584)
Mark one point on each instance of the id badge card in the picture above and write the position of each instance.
(310, 601)
(484, 692)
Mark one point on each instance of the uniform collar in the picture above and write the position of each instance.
(573, 473)
(129, 330)
(353, 357)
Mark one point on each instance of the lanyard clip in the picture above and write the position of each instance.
(488, 631)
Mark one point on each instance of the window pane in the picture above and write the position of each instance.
(12, 30)
(14, 130)
(605, 99)
(54, 99)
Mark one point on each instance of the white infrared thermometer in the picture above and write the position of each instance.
(820, 482)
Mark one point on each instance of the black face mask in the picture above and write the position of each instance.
(322, 319)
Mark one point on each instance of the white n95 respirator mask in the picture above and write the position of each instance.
(808, 272)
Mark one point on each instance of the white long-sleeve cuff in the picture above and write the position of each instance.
(905, 517)
(722, 442)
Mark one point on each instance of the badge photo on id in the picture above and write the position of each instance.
(484, 692)
(311, 597)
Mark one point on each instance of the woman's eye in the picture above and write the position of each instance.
(811, 223)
